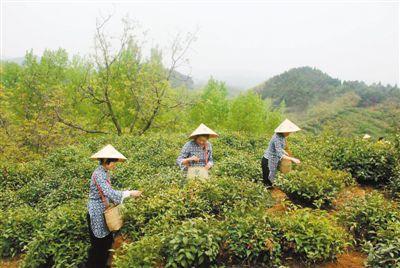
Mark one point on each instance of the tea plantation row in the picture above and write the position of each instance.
(224, 221)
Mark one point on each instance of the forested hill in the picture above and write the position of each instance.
(316, 101)
(303, 87)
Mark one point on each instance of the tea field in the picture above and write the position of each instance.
(343, 199)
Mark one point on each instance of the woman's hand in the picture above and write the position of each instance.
(135, 193)
(193, 158)
(208, 166)
(295, 160)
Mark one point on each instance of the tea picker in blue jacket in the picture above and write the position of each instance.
(275, 152)
(101, 238)
(197, 153)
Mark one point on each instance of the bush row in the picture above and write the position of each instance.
(246, 238)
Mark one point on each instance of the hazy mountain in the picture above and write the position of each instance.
(301, 88)
(316, 100)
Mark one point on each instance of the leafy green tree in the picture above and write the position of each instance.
(251, 114)
(213, 105)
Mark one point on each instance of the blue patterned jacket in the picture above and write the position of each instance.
(274, 153)
(95, 205)
(191, 148)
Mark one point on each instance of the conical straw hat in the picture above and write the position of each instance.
(287, 126)
(366, 137)
(108, 152)
(203, 130)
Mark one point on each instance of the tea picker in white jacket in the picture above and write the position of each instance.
(101, 238)
(276, 151)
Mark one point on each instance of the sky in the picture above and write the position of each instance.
(240, 42)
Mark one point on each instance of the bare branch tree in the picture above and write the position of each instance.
(75, 126)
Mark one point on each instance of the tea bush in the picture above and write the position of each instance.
(314, 186)
(195, 243)
(367, 161)
(313, 236)
(251, 238)
(240, 166)
(222, 221)
(17, 176)
(63, 241)
(145, 252)
(385, 251)
(193, 199)
(17, 229)
(364, 216)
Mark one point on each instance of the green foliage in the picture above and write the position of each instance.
(143, 253)
(385, 251)
(226, 218)
(193, 199)
(314, 186)
(249, 113)
(364, 216)
(213, 106)
(235, 167)
(14, 177)
(367, 161)
(195, 243)
(313, 236)
(251, 238)
(63, 241)
(18, 226)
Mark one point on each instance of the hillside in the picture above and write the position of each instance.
(316, 100)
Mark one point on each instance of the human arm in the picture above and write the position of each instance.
(282, 154)
(184, 157)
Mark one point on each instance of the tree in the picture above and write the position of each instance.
(249, 113)
(213, 105)
(129, 92)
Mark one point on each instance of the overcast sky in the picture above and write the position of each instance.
(241, 43)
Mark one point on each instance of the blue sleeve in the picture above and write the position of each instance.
(114, 195)
(185, 153)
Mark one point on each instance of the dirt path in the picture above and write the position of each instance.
(351, 192)
(10, 263)
(347, 260)
(279, 197)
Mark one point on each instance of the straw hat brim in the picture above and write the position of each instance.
(287, 126)
(203, 130)
(108, 152)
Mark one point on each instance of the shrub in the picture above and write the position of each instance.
(251, 238)
(195, 243)
(314, 186)
(143, 253)
(367, 161)
(193, 199)
(385, 251)
(17, 176)
(394, 187)
(17, 228)
(64, 240)
(240, 166)
(312, 236)
(224, 194)
(364, 216)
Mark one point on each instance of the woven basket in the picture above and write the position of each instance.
(197, 173)
(113, 218)
(285, 166)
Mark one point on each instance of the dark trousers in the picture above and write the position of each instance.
(265, 172)
(99, 249)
